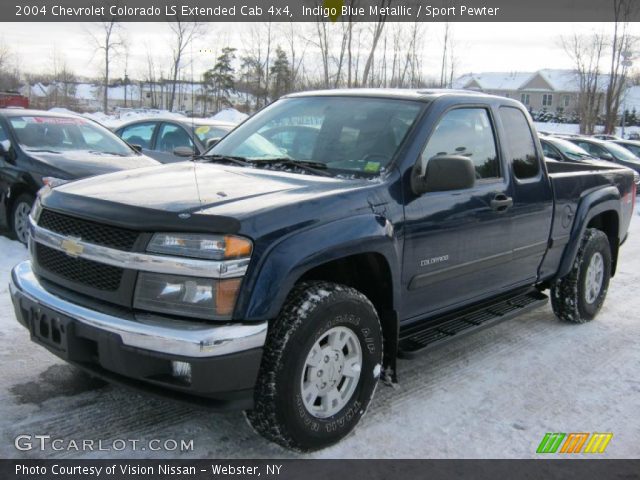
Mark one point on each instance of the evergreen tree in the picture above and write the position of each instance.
(221, 78)
(280, 74)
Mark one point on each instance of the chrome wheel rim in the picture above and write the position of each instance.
(21, 221)
(331, 372)
(593, 278)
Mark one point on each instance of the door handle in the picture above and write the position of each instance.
(501, 202)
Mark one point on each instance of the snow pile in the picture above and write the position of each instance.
(229, 115)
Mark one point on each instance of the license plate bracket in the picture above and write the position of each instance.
(49, 328)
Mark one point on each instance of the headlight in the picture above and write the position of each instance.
(214, 247)
(53, 182)
(36, 210)
(205, 298)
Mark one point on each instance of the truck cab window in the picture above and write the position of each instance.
(467, 132)
(522, 149)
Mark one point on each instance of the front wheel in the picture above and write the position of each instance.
(20, 217)
(579, 295)
(320, 367)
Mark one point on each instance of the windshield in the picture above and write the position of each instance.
(209, 132)
(355, 134)
(622, 153)
(61, 134)
(571, 150)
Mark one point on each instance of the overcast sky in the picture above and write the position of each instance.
(479, 46)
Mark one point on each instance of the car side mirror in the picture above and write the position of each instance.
(212, 141)
(137, 148)
(443, 173)
(607, 156)
(183, 152)
(5, 150)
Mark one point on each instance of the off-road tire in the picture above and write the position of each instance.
(17, 209)
(568, 294)
(311, 309)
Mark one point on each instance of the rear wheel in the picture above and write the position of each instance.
(20, 217)
(579, 295)
(320, 367)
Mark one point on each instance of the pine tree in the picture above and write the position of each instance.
(221, 78)
(280, 74)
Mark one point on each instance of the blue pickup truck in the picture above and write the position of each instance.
(286, 270)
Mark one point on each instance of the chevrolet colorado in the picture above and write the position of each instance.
(286, 270)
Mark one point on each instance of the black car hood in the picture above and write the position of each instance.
(81, 164)
(204, 189)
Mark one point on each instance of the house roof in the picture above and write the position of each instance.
(493, 80)
(554, 80)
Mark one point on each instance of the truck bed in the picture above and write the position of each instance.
(571, 182)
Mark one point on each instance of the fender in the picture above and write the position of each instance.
(592, 204)
(285, 262)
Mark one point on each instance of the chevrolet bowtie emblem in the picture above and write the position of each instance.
(72, 247)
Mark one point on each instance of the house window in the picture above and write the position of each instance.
(525, 98)
(547, 100)
(567, 100)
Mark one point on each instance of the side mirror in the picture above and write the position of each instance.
(137, 148)
(607, 156)
(5, 149)
(212, 141)
(183, 152)
(443, 172)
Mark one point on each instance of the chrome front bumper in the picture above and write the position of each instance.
(148, 332)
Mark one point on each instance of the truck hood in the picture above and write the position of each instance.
(81, 164)
(207, 189)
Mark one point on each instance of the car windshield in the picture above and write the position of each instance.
(635, 149)
(621, 153)
(353, 134)
(571, 150)
(61, 134)
(209, 132)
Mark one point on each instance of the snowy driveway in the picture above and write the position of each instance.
(493, 394)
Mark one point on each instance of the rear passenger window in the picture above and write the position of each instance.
(522, 150)
(139, 134)
(467, 132)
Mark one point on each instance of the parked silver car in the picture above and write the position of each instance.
(170, 140)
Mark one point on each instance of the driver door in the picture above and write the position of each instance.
(455, 248)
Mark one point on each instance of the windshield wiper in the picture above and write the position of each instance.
(314, 167)
(41, 150)
(98, 152)
(223, 158)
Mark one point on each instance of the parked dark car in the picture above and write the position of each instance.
(563, 150)
(609, 151)
(632, 145)
(256, 280)
(173, 139)
(43, 148)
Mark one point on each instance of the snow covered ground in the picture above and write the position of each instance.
(489, 395)
(575, 128)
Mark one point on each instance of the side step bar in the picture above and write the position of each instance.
(425, 337)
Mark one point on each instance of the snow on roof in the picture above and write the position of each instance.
(229, 115)
(493, 80)
(559, 80)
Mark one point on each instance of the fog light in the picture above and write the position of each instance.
(181, 371)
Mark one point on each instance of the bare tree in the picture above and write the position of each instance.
(622, 44)
(184, 34)
(449, 59)
(585, 52)
(377, 32)
(109, 42)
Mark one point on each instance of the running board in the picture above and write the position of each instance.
(425, 337)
